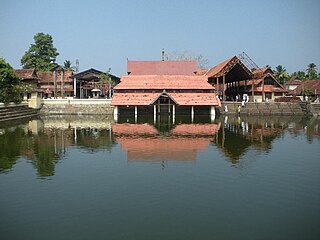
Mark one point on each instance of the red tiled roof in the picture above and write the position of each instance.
(312, 85)
(134, 98)
(293, 81)
(261, 71)
(26, 73)
(184, 99)
(193, 99)
(201, 71)
(161, 67)
(46, 77)
(163, 82)
(216, 69)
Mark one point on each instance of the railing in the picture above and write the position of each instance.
(65, 101)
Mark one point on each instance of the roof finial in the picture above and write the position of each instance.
(162, 54)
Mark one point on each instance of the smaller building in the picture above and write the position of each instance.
(309, 88)
(30, 82)
(292, 85)
(263, 87)
(87, 84)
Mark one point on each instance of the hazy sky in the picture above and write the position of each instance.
(103, 34)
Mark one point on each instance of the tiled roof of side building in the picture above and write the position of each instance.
(29, 73)
(162, 67)
(216, 69)
(163, 82)
(46, 77)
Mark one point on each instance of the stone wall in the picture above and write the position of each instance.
(76, 107)
(271, 108)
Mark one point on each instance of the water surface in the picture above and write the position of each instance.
(68, 177)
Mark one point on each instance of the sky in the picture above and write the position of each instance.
(104, 34)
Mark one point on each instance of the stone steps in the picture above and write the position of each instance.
(13, 113)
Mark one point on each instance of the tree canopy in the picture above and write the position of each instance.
(312, 71)
(9, 84)
(281, 74)
(41, 55)
(67, 66)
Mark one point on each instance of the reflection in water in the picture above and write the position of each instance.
(47, 140)
(144, 142)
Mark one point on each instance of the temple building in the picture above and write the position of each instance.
(164, 87)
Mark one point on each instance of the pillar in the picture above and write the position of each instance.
(115, 113)
(212, 113)
(154, 113)
(223, 87)
(74, 87)
(135, 113)
(173, 110)
(192, 113)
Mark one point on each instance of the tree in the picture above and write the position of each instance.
(67, 66)
(312, 71)
(300, 75)
(105, 78)
(202, 62)
(9, 84)
(41, 55)
(281, 74)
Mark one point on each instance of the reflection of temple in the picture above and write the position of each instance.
(237, 136)
(144, 142)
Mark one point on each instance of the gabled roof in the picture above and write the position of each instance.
(91, 74)
(164, 82)
(260, 72)
(232, 66)
(24, 74)
(267, 88)
(161, 67)
(293, 81)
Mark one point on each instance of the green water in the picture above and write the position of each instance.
(68, 177)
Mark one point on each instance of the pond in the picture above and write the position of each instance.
(87, 177)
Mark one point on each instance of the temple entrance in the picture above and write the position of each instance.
(164, 105)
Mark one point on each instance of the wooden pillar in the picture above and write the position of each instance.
(154, 113)
(223, 87)
(173, 113)
(217, 81)
(252, 90)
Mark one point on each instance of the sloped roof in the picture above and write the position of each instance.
(232, 68)
(266, 88)
(161, 67)
(47, 77)
(216, 69)
(260, 72)
(195, 99)
(312, 85)
(29, 73)
(163, 82)
(133, 99)
(184, 99)
(293, 81)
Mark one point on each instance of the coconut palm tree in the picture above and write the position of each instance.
(67, 66)
(281, 74)
(312, 71)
